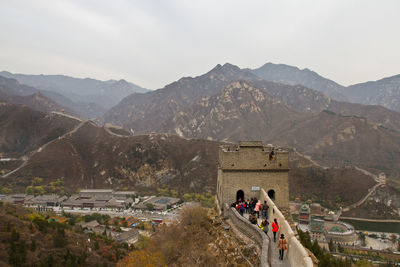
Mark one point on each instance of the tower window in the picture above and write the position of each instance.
(271, 194)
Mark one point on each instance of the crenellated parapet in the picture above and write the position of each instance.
(253, 156)
(245, 168)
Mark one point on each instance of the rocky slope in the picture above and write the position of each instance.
(155, 107)
(23, 129)
(337, 140)
(241, 111)
(310, 182)
(92, 157)
(383, 204)
(238, 111)
(308, 100)
(290, 75)
(384, 92)
(377, 114)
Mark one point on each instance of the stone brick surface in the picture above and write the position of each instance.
(249, 168)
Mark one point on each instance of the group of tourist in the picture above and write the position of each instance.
(253, 207)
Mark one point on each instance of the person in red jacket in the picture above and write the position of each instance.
(275, 228)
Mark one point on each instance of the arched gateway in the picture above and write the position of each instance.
(271, 194)
(240, 195)
(245, 169)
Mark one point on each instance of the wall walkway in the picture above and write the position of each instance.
(251, 231)
(296, 255)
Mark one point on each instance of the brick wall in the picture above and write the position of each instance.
(251, 231)
(249, 169)
(297, 254)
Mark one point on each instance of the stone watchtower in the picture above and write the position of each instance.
(245, 169)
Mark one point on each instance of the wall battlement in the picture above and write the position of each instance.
(245, 168)
(249, 156)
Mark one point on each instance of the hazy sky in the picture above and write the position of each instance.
(153, 43)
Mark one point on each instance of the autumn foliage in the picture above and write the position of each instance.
(143, 258)
(182, 244)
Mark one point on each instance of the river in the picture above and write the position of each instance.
(388, 227)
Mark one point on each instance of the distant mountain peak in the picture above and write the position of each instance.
(228, 65)
(385, 92)
(226, 68)
(292, 75)
(121, 82)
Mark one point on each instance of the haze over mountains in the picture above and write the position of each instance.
(89, 97)
(384, 92)
(155, 107)
(278, 104)
(290, 75)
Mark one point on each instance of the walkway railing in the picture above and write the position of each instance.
(251, 231)
(297, 254)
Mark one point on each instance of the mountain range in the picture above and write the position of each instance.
(290, 75)
(230, 104)
(85, 155)
(90, 98)
(153, 108)
(226, 104)
(384, 92)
